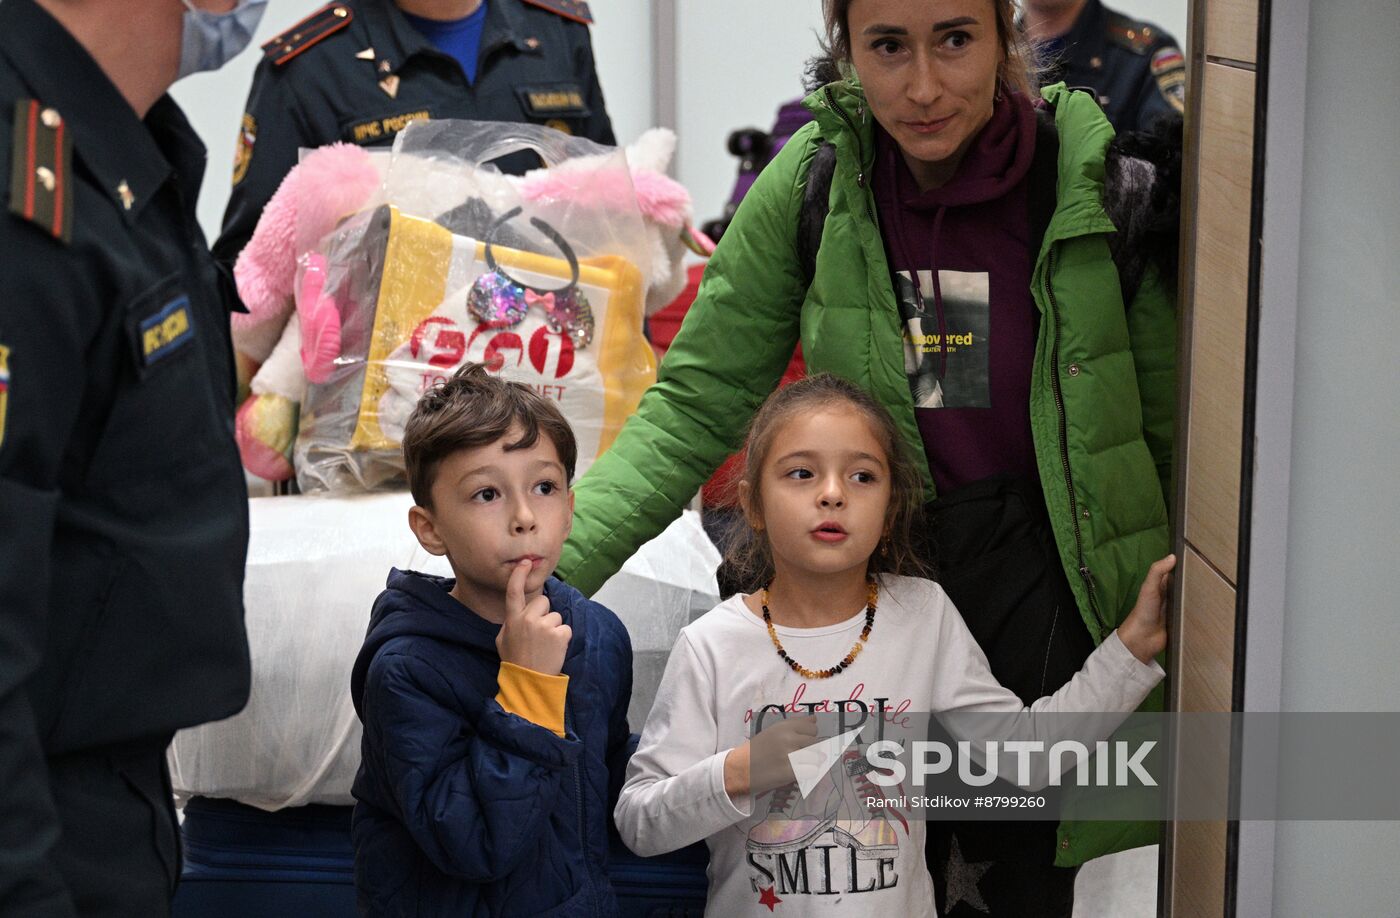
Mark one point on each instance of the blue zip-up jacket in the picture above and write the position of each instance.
(463, 809)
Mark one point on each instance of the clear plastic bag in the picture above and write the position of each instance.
(541, 278)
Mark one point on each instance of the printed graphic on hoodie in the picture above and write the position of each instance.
(946, 337)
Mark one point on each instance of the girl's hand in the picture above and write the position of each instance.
(762, 763)
(1144, 631)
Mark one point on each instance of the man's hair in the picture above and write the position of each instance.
(474, 409)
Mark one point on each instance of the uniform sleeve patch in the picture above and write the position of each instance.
(1167, 58)
(1172, 85)
(4, 388)
(243, 154)
(569, 9)
(165, 332)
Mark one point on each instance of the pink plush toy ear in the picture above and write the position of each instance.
(320, 322)
(660, 198)
(331, 183)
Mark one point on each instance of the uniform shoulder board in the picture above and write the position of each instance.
(569, 9)
(41, 167)
(1137, 37)
(324, 22)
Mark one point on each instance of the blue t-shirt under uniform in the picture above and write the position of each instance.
(460, 39)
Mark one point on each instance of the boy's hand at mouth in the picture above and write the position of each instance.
(533, 636)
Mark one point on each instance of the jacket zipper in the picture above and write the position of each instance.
(578, 797)
(860, 148)
(1084, 572)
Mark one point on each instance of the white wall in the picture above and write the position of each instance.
(737, 62)
(1341, 628)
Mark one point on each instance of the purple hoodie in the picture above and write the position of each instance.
(962, 278)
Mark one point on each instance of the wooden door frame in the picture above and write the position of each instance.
(1271, 336)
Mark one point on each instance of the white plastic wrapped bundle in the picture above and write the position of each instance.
(315, 565)
(314, 568)
(667, 584)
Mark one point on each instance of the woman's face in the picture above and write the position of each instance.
(929, 68)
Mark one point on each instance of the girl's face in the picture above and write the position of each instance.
(929, 68)
(825, 493)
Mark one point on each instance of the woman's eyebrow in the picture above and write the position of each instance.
(881, 28)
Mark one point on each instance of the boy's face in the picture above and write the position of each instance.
(491, 508)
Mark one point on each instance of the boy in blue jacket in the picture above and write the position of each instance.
(494, 703)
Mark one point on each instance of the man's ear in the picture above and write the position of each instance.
(420, 520)
(751, 514)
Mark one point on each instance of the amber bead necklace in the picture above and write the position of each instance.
(872, 599)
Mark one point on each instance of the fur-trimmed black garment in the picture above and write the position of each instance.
(1142, 196)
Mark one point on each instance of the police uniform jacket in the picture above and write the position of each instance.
(1136, 70)
(357, 71)
(123, 510)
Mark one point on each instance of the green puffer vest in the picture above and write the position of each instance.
(1103, 388)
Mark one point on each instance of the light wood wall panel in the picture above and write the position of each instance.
(1199, 870)
(1220, 302)
(1232, 29)
(1220, 194)
(1207, 639)
(1207, 648)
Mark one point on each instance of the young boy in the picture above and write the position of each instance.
(495, 703)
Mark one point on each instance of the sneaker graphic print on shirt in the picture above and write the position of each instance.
(946, 361)
(831, 842)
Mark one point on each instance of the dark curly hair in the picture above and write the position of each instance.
(471, 409)
(749, 558)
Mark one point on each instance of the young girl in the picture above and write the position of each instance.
(832, 501)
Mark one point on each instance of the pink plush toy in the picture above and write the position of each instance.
(328, 185)
(334, 182)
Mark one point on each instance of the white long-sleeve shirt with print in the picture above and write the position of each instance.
(920, 657)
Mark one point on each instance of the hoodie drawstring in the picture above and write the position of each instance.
(899, 241)
(938, 294)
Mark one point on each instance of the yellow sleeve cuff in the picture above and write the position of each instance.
(537, 697)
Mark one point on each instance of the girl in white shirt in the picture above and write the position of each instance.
(832, 502)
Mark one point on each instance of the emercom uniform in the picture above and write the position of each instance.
(1136, 70)
(123, 510)
(357, 71)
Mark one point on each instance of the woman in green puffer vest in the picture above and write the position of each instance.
(1035, 377)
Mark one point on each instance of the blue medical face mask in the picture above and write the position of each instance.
(213, 39)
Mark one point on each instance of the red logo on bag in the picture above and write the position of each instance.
(493, 357)
(540, 350)
(446, 349)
